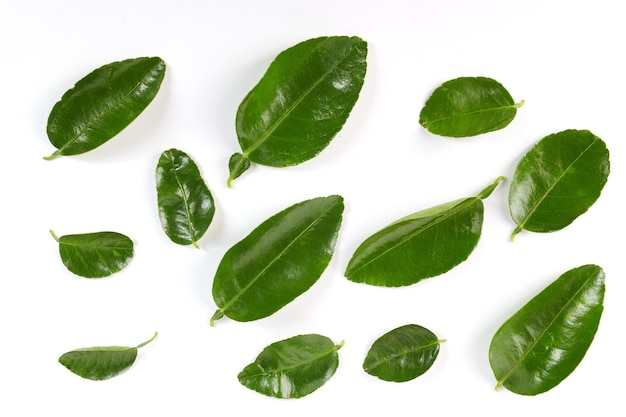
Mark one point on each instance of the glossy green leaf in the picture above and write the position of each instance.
(292, 368)
(422, 245)
(557, 180)
(95, 255)
(186, 205)
(101, 362)
(542, 344)
(402, 354)
(468, 106)
(103, 103)
(301, 103)
(279, 260)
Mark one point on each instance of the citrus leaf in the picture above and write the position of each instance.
(542, 344)
(468, 106)
(292, 368)
(279, 260)
(557, 180)
(402, 354)
(101, 362)
(95, 255)
(301, 102)
(422, 245)
(103, 103)
(186, 205)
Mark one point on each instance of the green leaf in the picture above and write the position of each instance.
(402, 354)
(468, 106)
(557, 180)
(103, 103)
(95, 255)
(301, 103)
(542, 344)
(101, 362)
(279, 260)
(422, 245)
(186, 205)
(292, 368)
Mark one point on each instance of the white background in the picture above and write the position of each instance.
(564, 58)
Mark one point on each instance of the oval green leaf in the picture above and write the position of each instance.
(542, 344)
(402, 354)
(95, 255)
(422, 245)
(186, 205)
(292, 368)
(279, 260)
(557, 180)
(103, 103)
(301, 103)
(468, 106)
(101, 362)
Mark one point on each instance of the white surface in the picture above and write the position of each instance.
(564, 58)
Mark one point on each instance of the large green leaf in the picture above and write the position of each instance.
(277, 261)
(186, 205)
(542, 344)
(422, 245)
(557, 180)
(101, 362)
(103, 103)
(300, 104)
(402, 354)
(292, 368)
(468, 106)
(95, 255)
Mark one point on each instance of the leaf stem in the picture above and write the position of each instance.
(487, 191)
(195, 244)
(54, 235)
(520, 104)
(147, 341)
(518, 229)
(52, 156)
(216, 316)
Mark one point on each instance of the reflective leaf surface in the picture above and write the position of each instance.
(542, 344)
(292, 368)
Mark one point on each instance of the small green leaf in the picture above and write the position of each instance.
(542, 344)
(278, 261)
(95, 255)
(101, 362)
(186, 205)
(402, 354)
(301, 103)
(237, 165)
(422, 245)
(468, 106)
(292, 368)
(103, 103)
(558, 180)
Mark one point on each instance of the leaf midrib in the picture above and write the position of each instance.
(457, 115)
(406, 353)
(299, 364)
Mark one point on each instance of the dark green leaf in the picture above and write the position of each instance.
(101, 362)
(542, 344)
(301, 103)
(95, 255)
(237, 165)
(292, 368)
(558, 180)
(279, 260)
(422, 245)
(402, 354)
(468, 106)
(186, 206)
(103, 103)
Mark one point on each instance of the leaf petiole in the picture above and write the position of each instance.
(147, 341)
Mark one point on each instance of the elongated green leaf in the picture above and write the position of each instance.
(422, 245)
(103, 103)
(402, 354)
(292, 368)
(95, 255)
(468, 106)
(186, 205)
(279, 260)
(542, 344)
(558, 180)
(301, 103)
(101, 362)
